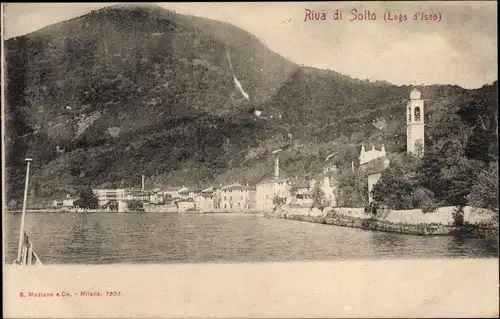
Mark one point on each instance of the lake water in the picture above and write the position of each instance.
(108, 238)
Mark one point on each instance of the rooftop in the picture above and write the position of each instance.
(208, 190)
(271, 181)
(300, 183)
(187, 200)
(236, 186)
(376, 165)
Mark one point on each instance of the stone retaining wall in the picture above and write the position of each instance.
(371, 224)
(441, 216)
(440, 223)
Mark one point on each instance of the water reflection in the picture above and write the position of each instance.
(174, 238)
(460, 245)
(387, 243)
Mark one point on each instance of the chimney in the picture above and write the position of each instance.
(142, 183)
(277, 168)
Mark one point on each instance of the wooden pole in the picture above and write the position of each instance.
(21, 231)
(29, 260)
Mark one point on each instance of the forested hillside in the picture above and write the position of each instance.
(123, 91)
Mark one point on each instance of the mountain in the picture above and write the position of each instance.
(100, 99)
(143, 85)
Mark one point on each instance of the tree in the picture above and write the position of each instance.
(135, 205)
(318, 197)
(423, 198)
(278, 201)
(87, 199)
(351, 188)
(400, 185)
(419, 148)
(484, 193)
(455, 154)
(113, 206)
(458, 179)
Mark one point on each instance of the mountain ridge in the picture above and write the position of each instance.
(115, 93)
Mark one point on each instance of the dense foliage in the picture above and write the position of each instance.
(87, 199)
(484, 193)
(351, 188)
(460, 165)
(318, 197)
(135, 205)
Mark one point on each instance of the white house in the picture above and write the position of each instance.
(267, 190)
(183, 192)
(300, 192)
(65, 203)
(373, 165)
(236, 197)
(204, 202)
(184, 205)
(173, 192)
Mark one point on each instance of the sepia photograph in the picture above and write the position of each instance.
(235, 158)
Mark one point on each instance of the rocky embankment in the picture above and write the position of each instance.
(372, 223)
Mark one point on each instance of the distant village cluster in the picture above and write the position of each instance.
(232, 198)
(265, 195)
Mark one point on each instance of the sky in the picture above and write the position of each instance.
(460, 49)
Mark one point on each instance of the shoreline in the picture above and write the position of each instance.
(373, 224)
(389, 227)
(64, 211)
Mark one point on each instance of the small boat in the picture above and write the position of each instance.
(26, 255)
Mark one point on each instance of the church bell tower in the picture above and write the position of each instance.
(415, 124)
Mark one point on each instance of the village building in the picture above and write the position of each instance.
(67, 202)
(194, 192)
(157, 198)
(373, 165)
(372, 154)
(277, 188)
(106, 195)
(300, 192)
(132, 194)
(236, 197)
(185, 205)
(205, 200)
(183, 192)
(373, 162)
(171, 192)
(268, 190)
(122, 196)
